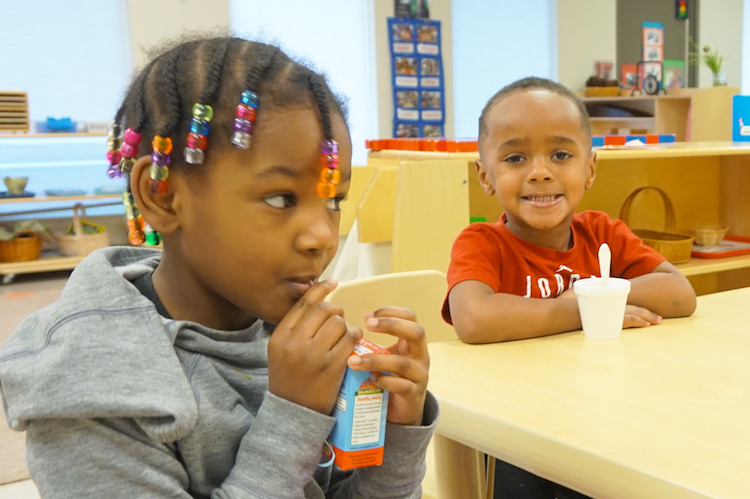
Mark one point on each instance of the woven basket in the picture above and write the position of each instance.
(24, 247)
(674, 247)
(709, 235)
(78, 243)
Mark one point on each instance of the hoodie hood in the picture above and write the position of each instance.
(101, 350)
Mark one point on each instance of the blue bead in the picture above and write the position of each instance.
(200, 127)
(249, 98)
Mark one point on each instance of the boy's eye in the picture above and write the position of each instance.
(561, 155)
(334, 204)
(281, 201)
(515, 158)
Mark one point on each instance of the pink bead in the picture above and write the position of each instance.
(132, 137)
(246, 112)
(128, 151)
(114, 157)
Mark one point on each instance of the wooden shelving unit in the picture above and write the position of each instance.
(48, 261)
(692, 114)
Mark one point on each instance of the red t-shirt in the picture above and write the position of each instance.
(492, 254)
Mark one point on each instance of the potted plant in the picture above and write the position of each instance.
(713, 60)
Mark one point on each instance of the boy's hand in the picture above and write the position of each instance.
(307, 351)
(407, 366)
(639, 317)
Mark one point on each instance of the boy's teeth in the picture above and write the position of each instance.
(542, 199)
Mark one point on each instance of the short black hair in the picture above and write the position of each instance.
(533, 83)
(215, 71)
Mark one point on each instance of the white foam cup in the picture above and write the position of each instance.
(602, 308)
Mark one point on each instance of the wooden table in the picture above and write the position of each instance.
(660, 412)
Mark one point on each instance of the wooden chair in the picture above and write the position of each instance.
(420, 290)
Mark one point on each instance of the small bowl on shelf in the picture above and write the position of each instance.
(602, 91)
(16, 185)
(709, 235)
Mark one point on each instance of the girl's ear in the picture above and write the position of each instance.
(590, 170)
(157, 209)
(484, 177)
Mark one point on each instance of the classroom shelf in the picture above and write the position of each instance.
(700, 266)
(47, 262)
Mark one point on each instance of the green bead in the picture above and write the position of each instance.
(159, 172)
(152, 238)
(203, 112)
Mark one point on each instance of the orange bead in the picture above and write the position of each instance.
(330, 176)
(326, 190)
(157, 186)
(136, 237)
(162, 144)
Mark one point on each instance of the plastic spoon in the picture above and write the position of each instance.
(605, 260)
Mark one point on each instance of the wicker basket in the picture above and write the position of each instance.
(710, 235)
(24, 247)
(674, 247)
(79, 243)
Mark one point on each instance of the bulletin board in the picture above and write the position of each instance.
(417, 77)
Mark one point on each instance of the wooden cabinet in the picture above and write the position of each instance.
(692, 114)
(433, 195)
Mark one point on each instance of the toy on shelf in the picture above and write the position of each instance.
(622, 140)
(422, 144)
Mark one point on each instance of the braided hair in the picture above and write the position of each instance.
(217, 71)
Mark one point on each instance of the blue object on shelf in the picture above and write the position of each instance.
(60, 125)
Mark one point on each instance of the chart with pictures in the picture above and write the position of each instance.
(417, 69)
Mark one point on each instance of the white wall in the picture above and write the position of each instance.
(720, 26)
(335, 37)
(746, 48)
(151, 23)
(496, 42)
(586, 32)
(72, 58)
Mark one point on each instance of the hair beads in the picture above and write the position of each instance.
(135, 220)
(330, 174)
(159, 172)
(129, 150)
(113, 155)
(244, 119)
(197, 138)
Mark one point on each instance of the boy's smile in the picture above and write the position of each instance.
(536, 158)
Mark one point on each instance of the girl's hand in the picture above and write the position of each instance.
(408, 364)
(639, 317)
(307, 351)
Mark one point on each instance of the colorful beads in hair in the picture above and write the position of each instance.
(160, 160)
(197, 138)
(113, 155)
(135, 220)
(244, 119)
(330, 175)
(129, 150)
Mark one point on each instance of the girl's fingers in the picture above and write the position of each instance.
(403, 328)
(398, 365)
(310, 312)
(394, 384)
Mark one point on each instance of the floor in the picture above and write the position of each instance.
(24, 295)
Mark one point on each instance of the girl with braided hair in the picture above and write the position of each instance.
(211, 368)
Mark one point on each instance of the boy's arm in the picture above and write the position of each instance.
(665, 291)
(480, 315)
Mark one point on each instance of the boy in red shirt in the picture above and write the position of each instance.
(535, 156)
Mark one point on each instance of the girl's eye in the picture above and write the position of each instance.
(561, 155)
(281, 201)
(334, 204)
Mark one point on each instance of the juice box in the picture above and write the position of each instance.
(358, 436)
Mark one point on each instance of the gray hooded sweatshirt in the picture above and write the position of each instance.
(119, 401)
